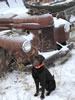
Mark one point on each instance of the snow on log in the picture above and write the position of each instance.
(59, 54)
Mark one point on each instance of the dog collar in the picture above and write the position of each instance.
(37, 67)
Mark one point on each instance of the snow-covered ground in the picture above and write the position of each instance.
(20, 85)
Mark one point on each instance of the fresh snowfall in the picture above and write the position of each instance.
(20, 85)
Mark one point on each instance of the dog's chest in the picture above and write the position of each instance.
(39, 74)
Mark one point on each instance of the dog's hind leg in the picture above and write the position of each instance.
(48, 90)
(51, 86)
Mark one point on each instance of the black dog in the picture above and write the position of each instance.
(42, 76)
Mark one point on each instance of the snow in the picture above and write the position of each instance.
(29, 16)
(4, 32)
(16, 7)
(3, 6)
(20, 85)
(17, 3)
(22, 16)
(55, 2)
(67, 1)
(48, 54)
(29, 37)
(72, 18)
(58, 22)
(10, 15)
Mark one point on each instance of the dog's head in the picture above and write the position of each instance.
(38, 60)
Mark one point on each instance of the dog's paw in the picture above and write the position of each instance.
(36, 94)
(42, 97)
(48, 93)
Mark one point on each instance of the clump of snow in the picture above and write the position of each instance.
(15, 10)
(29, 37)
(4, 32)
(3, 6)
(21, 16)
(7, 15)
(67, 27)
(58, 22)
(29, 16)
(15, 3)
(16, 7)
(72, 18)
(48, 54)
(65, 48)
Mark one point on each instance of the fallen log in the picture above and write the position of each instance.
(61, 53)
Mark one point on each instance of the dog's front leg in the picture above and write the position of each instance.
(37, 87)
(43, 90)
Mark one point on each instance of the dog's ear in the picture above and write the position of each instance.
(41, 59)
